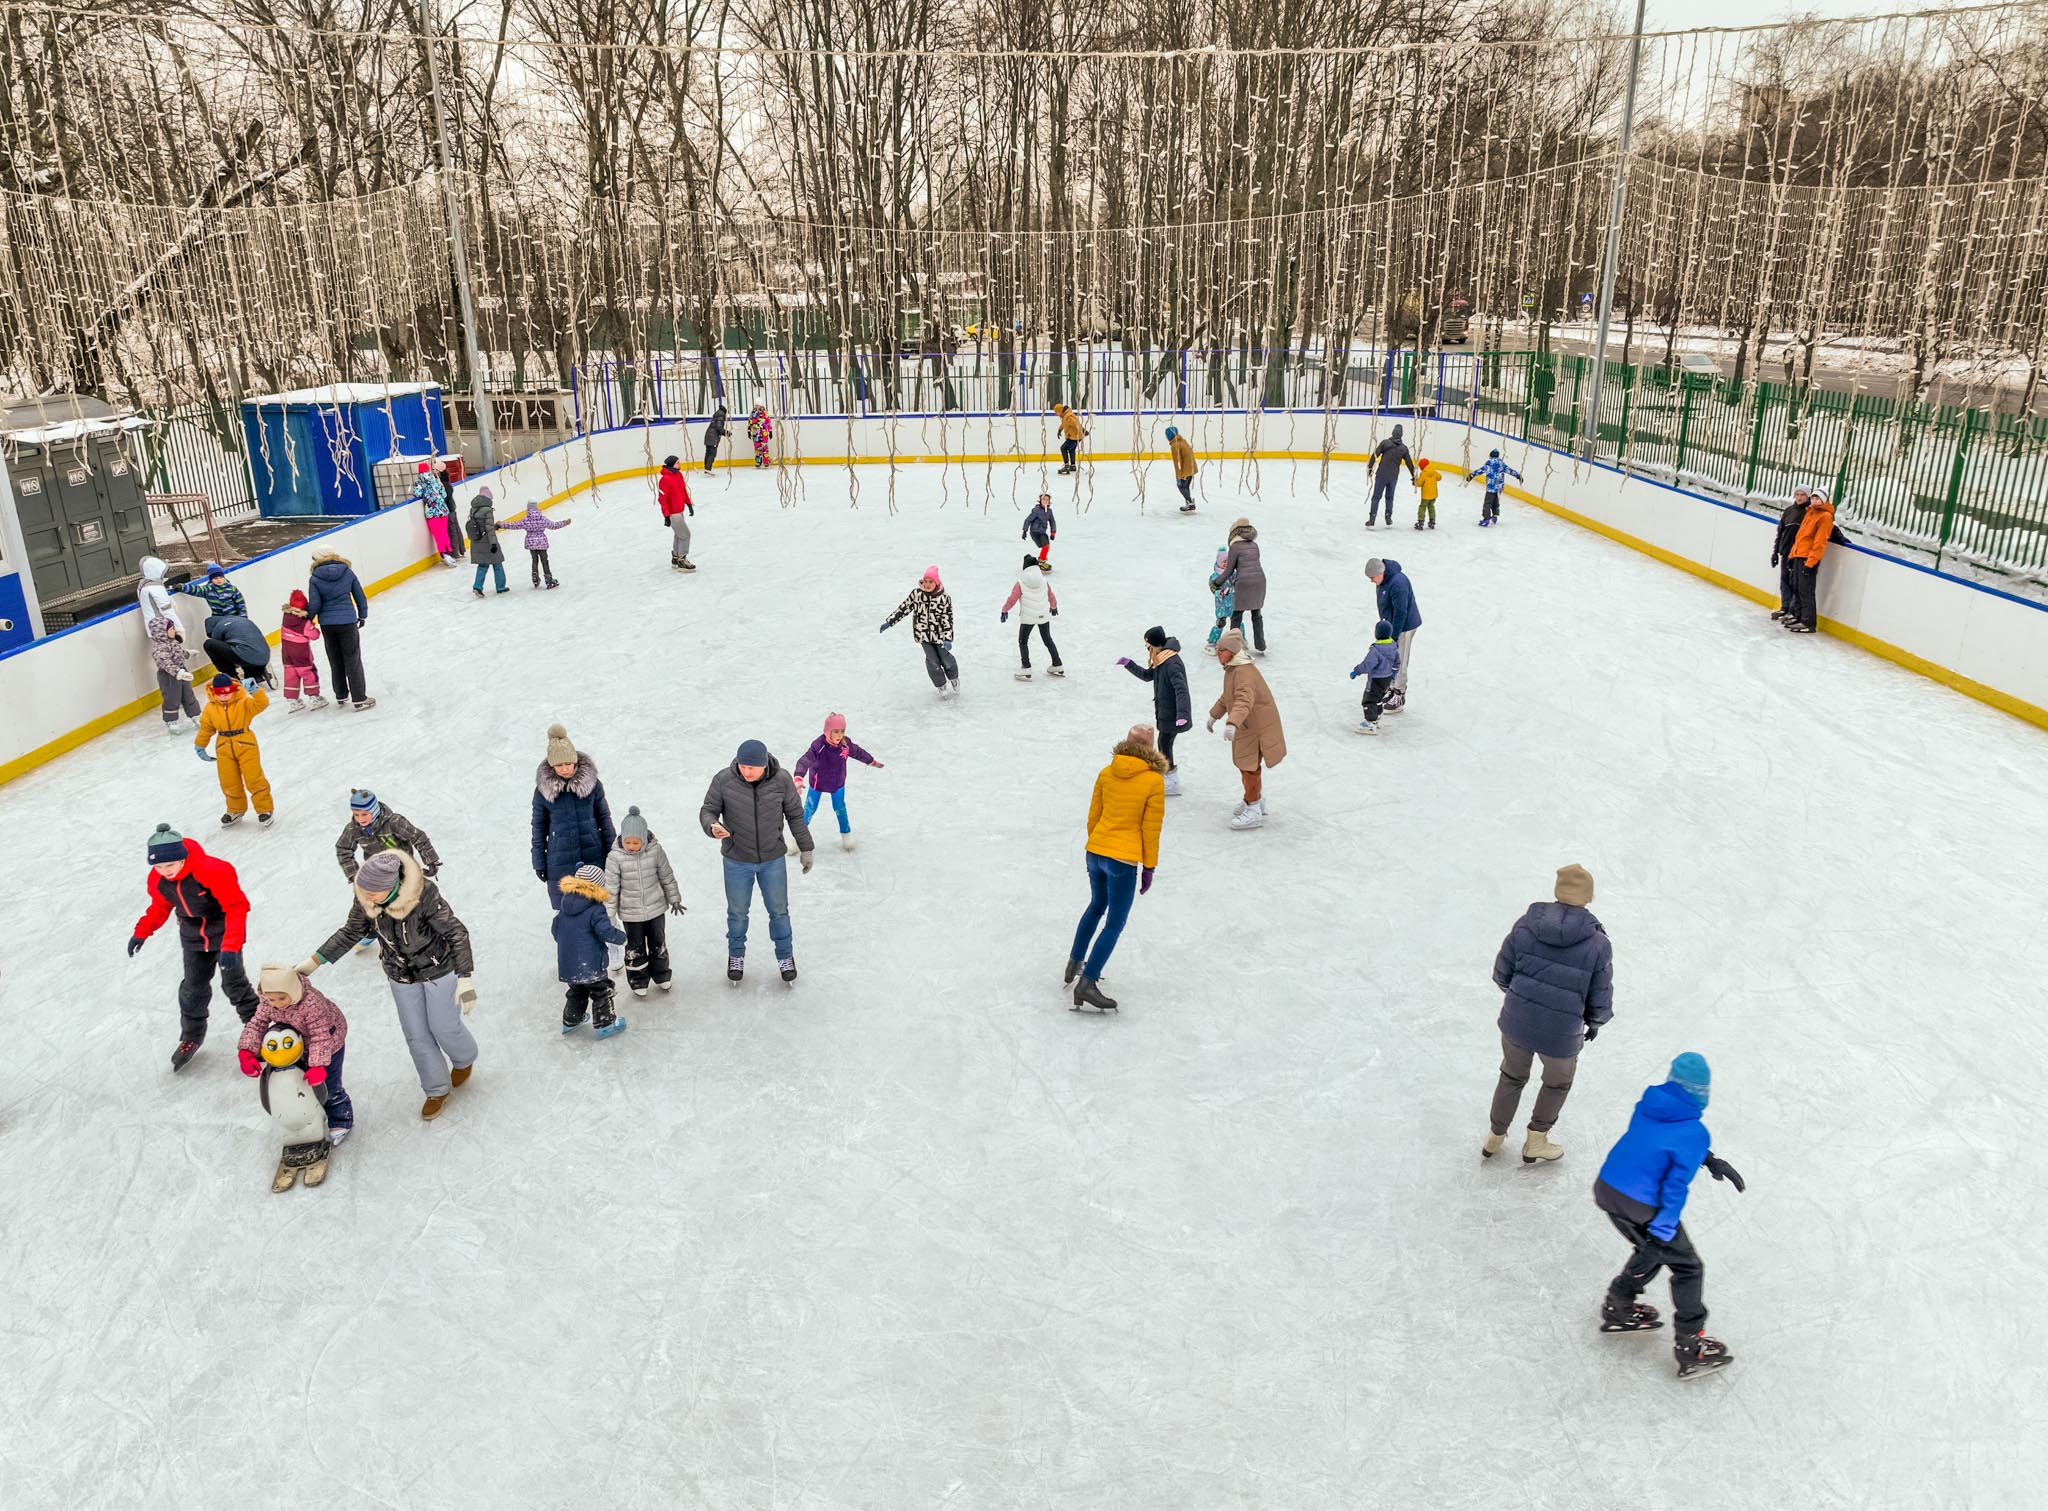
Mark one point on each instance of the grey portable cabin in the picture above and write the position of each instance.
(78, 498)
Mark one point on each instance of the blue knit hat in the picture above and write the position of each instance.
(1171, 432)
(1690, 1075)
(363, 800)
(215, 569)
(753, 753)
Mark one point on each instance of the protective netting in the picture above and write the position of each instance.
(945, 204)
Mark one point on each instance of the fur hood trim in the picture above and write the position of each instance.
(1146, 753)
(577, 886)
(583, 783)
(412, 886)
(320, 556)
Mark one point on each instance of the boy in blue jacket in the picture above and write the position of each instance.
(1642, 1189)
(1496, 472)
(1378, 668)
(582, 931)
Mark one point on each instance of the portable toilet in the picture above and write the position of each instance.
(316, 450)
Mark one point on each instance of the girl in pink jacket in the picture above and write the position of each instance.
(291, 999)
(536, 525)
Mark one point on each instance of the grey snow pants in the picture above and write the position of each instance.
(434, 1030)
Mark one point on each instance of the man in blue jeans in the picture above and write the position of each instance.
(744, 810)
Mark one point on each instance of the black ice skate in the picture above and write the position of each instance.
(1637, 1317)
(1073, 970)
(735, 968)
(180, 1056)
(788, 968)
(1088, 995)
(1697, 1354)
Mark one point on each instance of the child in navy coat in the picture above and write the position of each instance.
(583, 931)
(1378, 668)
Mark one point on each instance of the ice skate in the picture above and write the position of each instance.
(552, 584)
(1073, 970)
(846, 841)
(1396, 701)
(1491, 1146)
(1537, 1146)
(954, 684)
(1697, 1354)
(1088, 994)
(1366, 727)
(479, 592)
(1801, 629)
(1173, 783)
(668, 985)
(315, 702)
(1058, 671)
(1418, 524)
(1432, 524)
(1251, 818)
(431, 1107)
(1636, 1317)
(1023, 676)
(265, 820)
(1187, 508)
(607, 1029)
(228, 819)
(336, 1136)
(639, 991)
(363, 705)
(294, 706)
(572, 1019)
(788, 969)
(687, 565)
(735, 968)
(183, 1054)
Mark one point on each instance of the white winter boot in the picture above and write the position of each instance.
(1173, 783)
(1538, 1146)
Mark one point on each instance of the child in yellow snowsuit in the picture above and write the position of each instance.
(229, 711)
(1426, 479)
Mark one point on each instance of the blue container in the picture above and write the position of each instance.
(312, 451)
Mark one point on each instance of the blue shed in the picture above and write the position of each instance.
(315, 450)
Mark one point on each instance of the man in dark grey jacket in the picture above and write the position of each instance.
(1557, 969)
(744, 810)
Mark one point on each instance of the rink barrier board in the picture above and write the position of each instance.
(543, 460)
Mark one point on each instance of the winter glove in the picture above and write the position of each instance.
(1123, 661)
(876, 764)
(1145, 881)
(1230, 731)
(805, 859)
(1592, 1032)
(249, 1065)
(1774, 558)
(1055, 613)
(692, 511)
(309, 965)
(1006, 616)
(540, 873)
(249, 686)
(946, 645)
(678, 909)
(433, 870)
(1354, 676)
(201, 753)
(1720, 1169)
(885, 628)
(1181, 723)
(465, 995)
(135, 943)
(1211, 726)
(316, 1075)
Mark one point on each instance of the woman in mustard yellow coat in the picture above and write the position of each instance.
(1124, 817)
(225, 720)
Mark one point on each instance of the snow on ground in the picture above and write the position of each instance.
(912, 1233)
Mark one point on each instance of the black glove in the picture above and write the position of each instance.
(541, 872)
(1774, 558)
(693, 511)
(134, 945)
(1720, 1169)
(1592, 1032)
(432, 870)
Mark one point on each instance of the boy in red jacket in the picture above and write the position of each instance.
(213, 916)
(676, 510)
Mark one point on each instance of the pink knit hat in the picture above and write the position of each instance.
(835, 723)
(932, 574)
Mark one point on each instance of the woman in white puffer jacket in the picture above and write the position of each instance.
(1032, 597)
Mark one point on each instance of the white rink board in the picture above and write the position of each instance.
(913, 1234)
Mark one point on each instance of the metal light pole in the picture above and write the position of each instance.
(480, 399)
(1612, 256)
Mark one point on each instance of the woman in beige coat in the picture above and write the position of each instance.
(1251, 722)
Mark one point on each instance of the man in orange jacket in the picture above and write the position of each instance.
(1816, 530)
(1124, 817)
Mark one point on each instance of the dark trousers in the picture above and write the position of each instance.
(1376, 697)
(1024, 644)
(541, 567)
(1515, 1063)
(591, 997)
(1805, 590)
(196, 991)
(647, 952)
(939, 664)
(1068, 451)
(1383, 488)
(1489, 508)
(1187, 488)
(1112, 887)
(224, 659)
(710, 454)
(1167, 735)
(1788, 592)
(1676, 1254)
(344, 644)
(341, 1112)
(1258, 625)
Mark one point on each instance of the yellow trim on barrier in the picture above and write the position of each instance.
(2004, 702)
(1969, 687)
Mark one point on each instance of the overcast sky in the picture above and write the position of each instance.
(1671, 15)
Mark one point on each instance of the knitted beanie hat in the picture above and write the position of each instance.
(835, 722)
(1171, 432)
(1156, 637)
(1231, 643)
(590, 874)
(1574, 885)
(298, 598)
(931, 575)
(1383, 631)
(560, 751)
(634, 826)
(363, 800)
(281, 978)
(1689, 1072)
(752, 753)
(166, 845)
(222, 681)
(380, 873)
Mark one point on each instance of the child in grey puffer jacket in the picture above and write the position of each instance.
(643, 889)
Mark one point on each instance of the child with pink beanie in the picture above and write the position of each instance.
(930, 608)
(821, 771)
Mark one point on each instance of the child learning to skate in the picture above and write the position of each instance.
(821, 772)
(536, 526)
(1032, 597)
(582, 930)
(296, 639)
(1378, 667)
(1427, 480)
(291, 999)
(231, 707)
(643, 889)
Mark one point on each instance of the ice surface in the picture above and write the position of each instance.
(913, 1234)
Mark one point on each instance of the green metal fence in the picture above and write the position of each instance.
(1967, 486)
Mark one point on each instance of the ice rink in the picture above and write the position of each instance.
(912, 1234)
